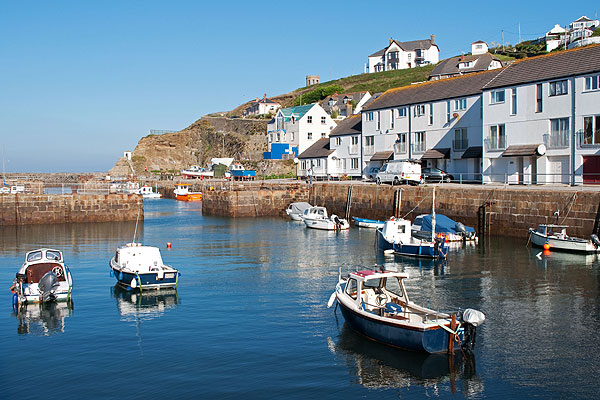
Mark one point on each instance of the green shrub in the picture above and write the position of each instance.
(318, 94)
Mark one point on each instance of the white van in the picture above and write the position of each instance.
(400, 171)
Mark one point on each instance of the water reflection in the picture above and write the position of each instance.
(546, 258)
(377, 366)
(43, 319)
(134, 305)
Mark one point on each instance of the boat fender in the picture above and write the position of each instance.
(133, 283)
(120, 276)
(460, 228)
(15, 300)
(595, 240)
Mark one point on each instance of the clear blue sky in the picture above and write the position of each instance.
(82, 81)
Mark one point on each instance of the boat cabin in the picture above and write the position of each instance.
(315, 213)
(397, 230)
(39, 262)
(182, 188)
(560, 231)
(373, 287)
(138, 258)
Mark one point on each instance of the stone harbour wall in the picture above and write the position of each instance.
(26, 209)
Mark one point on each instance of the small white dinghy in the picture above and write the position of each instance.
(317, 218)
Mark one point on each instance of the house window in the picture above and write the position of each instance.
(400, 145)
(431, 114)
(309, 119)
(592, 82)
(278, 137)
(378, 120)
(419, 110)
(338, 141)
(355, 139)
(448, 111)
(497, 138)
(460, 104)
(402, 112)
(323, 134)
(419, 142)
(538, 95)
(392, 119)
(591, 130)
(354, 163)
(460, 139)
(323, 120)
(513, 101)
(559, 88)
(292, 136)
(497, 97)
(369, 140)
(559, 132)
(370, 116)
(309, 135)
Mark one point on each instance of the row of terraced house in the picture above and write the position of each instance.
(534, 121)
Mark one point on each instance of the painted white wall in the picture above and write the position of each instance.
(347, 148)
(316, 127)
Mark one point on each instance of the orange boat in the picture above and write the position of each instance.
(182, 192)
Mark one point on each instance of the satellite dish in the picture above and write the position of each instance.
(296, 160)
(541, 150)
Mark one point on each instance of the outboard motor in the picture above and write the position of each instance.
(595, 240)
(47, 286)
(338, 223)
(471, 320)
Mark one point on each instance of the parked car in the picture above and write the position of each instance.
(436, 175)
(372, 174)
(400, 171)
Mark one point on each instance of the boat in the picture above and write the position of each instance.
(138, 266)
(452, 231)
(43, 319)
(197, 172)
(317, 218)
(296, 210)
(147, 193)
(43, 278)
(182, 192)
(376, 304)
(554, 237)
(368, 223)
(396, 236)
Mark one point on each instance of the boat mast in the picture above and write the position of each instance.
(433, 216)
(3, 167)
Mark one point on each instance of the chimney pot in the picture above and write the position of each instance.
(432, 39)
(391, 40)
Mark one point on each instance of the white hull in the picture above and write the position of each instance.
(569, 244)
(295, 217)
(326, 224)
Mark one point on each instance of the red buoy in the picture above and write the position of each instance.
(546, 246)
(168, 245)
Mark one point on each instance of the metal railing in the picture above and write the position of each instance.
(556, 141)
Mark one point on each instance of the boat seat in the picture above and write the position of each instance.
(393, 308)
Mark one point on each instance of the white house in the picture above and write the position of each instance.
(295, 129)
(345, 141)
(541, 120)
(318, 158)
(402, 55)
(555, 37)
(262, 106)
(345, 104)
(437, 122)
(479, 60)
(583, 23)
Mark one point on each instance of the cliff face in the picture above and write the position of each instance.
(242, 139)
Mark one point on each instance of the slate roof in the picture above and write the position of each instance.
(349, 126)
(319, 149)
(557, 65)
(406, 46)
(449, 66)
(464, 85)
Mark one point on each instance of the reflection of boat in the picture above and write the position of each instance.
(44, 277)
(555, 238)
(317, 218)
(396, 235)
(376, 304)
(144, 305)
(182, 192)
(43, 319)
(142, 267)
(295, 210)
(451, 230)
(368, 223)
(147, 193)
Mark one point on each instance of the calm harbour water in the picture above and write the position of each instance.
(249, 317)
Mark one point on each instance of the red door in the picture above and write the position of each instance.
(591, 169)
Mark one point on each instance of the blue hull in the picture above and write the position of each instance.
(383, 244)
(434, 340)
(147, 280)
(426, 250)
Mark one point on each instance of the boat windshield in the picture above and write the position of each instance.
(394, 286)
(53, 255)
(372, 283)
(34, 256)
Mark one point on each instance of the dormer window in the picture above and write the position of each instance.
(465, 64)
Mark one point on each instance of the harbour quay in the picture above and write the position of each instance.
(493, 210)
(28, 208)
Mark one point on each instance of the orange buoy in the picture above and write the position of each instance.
(168, 245)
(546, 246)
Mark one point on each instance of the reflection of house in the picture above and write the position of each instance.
(294, 129)
(402, 55)
(345, 104)
(479, 60)
(261, 106)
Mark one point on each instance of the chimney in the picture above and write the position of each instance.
(432, 39)
(348, 109)
(265, 96)
(391, 40)
(462, 57)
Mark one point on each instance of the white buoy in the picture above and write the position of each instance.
(133, 283)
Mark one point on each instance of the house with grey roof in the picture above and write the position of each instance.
(345, 104)
(479, 60)
(294, 129)
(261, 106)
(402, 55)
(318, 157)
(541, 120)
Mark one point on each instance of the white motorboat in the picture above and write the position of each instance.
(396, 235)
(139, 266)
(317, 218)
(554, 237)
(147, 193)
(197, 172)
(43, 278)
(296, 210)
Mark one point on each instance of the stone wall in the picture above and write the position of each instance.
(508, 211)
(26, 209)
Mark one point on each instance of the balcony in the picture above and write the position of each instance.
(400, 148)
(353, 149)
(419, 148)
(369, 150)
(557, 141)
(495, 143)
(460, 144)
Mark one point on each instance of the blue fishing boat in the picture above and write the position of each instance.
(396, 236)
(375, 303)
(368, 223)
(138, 266)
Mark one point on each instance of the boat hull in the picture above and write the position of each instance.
(189, 197)
(326, 224)
(574, 245)
(423, 250)
(431, 340)
(147, 280)
(368, 223)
